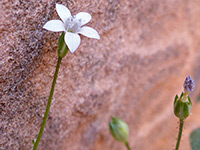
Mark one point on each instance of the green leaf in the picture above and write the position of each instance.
(198, 98)
(189, 100)
(181, 95)
(33, 141)
(195, 139)
(175, 99)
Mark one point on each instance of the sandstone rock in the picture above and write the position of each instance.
(146, 50)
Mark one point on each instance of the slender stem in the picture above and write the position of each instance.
(127, 145)
(48, 104)
(179, 134)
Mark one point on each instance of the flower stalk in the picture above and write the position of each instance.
(48, 105)
(127, 145)
(179, 134)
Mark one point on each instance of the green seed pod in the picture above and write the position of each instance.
(182, 108)
(119, 129)
(62, 47)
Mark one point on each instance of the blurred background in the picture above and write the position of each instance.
(147, 49)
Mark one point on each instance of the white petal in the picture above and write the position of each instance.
(83, 17)
(72, 40)
(63, 12)
(89, 32)
(54, 25)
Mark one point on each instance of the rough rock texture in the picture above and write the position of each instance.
(146, 50)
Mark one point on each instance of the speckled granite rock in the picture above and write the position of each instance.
(146, 49)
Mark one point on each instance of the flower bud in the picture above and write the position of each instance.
(62, 47)
(182, 107)
(188, 84)
(119, 129)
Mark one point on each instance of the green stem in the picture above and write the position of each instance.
(48, 105)
(127, 145)
(179, 134)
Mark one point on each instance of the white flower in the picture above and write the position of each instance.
(71, 25)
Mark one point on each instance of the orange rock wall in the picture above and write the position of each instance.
(147, 48)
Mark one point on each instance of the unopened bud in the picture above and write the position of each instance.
(183, 104)
(119, 129)
(188, 84)
(182, 108)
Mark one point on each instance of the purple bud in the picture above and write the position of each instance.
(188, 84)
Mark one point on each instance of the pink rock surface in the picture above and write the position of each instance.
(147, 48)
